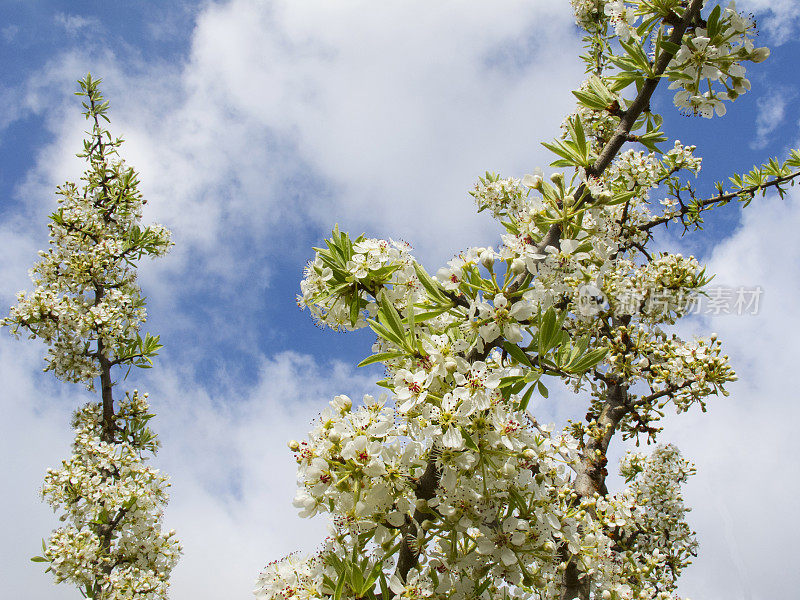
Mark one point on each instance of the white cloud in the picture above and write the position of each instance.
(778, 19)
(771, 114)
(744, 447)
(34, 435)
(75, 24)
(313, 113)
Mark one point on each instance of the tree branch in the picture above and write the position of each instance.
(722, 198)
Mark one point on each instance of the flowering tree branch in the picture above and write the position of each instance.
(88, 309)
(449, 487)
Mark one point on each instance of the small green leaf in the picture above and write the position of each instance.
(470, 443)
(380, 357)
(517, 353)
(337, 594)
(391, 318)
(526, 398)
(385, 333)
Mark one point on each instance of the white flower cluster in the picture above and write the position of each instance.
(500, 196)
(647, 522)
(333, 283)
(623, 16)
(711, 57)
(112, 546)
(86, 296)
(363, 466)
(502, 507)
(636, 169)
(448, 488)
(658, 291)
(599, 125)
(293, 578)
(587, 12)
(682, 157)
(87, 307)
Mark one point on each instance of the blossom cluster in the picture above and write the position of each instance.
(648, 524)
(87, 303)
(337, 284)
(707, 68)
(711, 57)
(112, 545)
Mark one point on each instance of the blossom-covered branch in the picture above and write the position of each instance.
(447, 486)
(88, 309)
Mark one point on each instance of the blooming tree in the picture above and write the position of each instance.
(87, 307)
(447, 486)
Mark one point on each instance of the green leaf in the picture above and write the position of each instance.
(380, 357)
(424, 316)
(712, 26)
(39, 559)
(385, 333)
(517, 353)
(337, 594)
(431, 286)
(412, 325)
(542, 389)
(509, 381)
(526, 398)
(354, 309)
(372, 577)
(391, 318)
(587, 361)
(470, 443)
(670, 47)
(550, 331)
(589, 100)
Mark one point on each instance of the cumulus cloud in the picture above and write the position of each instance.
(744, 446)
(289, 112)
(34, 435)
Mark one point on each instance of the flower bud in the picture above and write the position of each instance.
(487, 258)
(294, 445)
(759, 55)
(518, 266)
(532, 181)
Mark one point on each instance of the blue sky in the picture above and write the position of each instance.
(255, 126)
